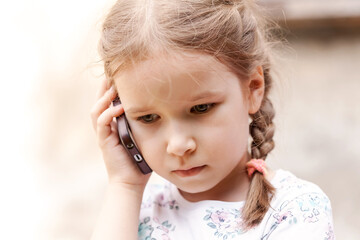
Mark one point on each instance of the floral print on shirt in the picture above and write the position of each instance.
(147, 225)
(308, 208)
(299, 208)
(226, 223)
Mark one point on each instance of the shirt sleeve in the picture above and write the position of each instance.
(307, 216)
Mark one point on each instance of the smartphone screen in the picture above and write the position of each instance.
(128, 141)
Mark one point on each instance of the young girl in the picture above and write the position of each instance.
(189, 74)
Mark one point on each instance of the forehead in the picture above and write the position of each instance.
(173, 77)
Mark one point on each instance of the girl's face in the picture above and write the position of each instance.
(189, 117)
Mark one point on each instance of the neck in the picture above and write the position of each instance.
(233, 188)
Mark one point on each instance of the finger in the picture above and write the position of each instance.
(104, 86)
(113, 126)
(101, 105)
(105, 119)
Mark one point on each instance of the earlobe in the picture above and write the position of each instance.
(256, 86)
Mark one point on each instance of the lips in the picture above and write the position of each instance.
(189, 172)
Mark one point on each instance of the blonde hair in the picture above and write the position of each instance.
(232, 31)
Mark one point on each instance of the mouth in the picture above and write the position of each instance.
(189, 172)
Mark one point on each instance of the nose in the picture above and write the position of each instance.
(181, 143)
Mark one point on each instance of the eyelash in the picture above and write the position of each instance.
(209, 107)
(141, 119)
(192, 110)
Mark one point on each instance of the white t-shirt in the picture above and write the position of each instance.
(299, 210)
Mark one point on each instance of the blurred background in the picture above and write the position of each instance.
(52, 176)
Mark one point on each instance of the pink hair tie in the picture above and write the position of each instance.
(256, 165)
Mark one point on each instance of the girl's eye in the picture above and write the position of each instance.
(149, 118)
(201, 108)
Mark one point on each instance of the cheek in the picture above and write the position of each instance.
(230, 136)
(145, 139)
(151, 147)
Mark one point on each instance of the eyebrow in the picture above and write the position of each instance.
(136, 110)
(207, 94)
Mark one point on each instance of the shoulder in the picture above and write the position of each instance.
(288, 185)
(300, 196)
(299, 208)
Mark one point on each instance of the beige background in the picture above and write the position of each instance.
(52, 175)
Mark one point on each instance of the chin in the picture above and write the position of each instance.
(194, 188)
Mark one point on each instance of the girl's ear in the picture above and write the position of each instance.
(256, 88)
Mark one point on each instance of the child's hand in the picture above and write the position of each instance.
(121, 169)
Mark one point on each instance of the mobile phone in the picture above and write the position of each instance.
(128, 141)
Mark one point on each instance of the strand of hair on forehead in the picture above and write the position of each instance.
(261, 191)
